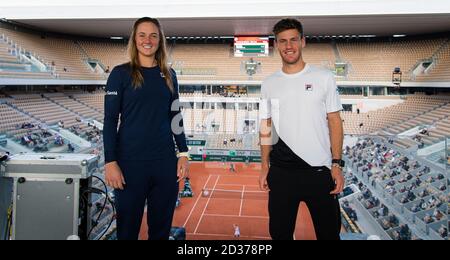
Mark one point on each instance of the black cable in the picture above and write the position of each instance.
(107, 199)
(112, 218)
(94, 224)
(99, 215)
(85, 204)
(112, 206)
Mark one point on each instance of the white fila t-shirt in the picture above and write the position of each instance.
(298, 105)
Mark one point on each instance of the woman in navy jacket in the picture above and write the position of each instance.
(140, 155)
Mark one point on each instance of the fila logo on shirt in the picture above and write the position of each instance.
(308, 87)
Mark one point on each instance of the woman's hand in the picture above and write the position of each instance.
(113, 176)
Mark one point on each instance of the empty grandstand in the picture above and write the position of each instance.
(34, 56)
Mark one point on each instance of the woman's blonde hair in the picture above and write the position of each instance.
(160, 56)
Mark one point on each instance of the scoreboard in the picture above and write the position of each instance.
(251, 46)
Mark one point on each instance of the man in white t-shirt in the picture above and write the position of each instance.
(301, 140)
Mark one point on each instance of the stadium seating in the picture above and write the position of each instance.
(415, 110)
(376, 61)
(366, 61)
(404, 187)
(63, 57)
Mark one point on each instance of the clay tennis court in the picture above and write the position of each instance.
(233, 198)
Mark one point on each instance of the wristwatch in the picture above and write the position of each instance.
(338, 163)
(185, 154)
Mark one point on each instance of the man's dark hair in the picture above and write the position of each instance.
(288, 24)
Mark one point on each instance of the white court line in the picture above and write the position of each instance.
(226, 235)
(242, 200)
(238, 176)
(234, 176)
(235, 216)
(207, 202)
(195, 204)
(249, 185)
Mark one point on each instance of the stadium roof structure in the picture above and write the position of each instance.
(110, 18)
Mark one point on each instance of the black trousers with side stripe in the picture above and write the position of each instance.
(289, 187)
